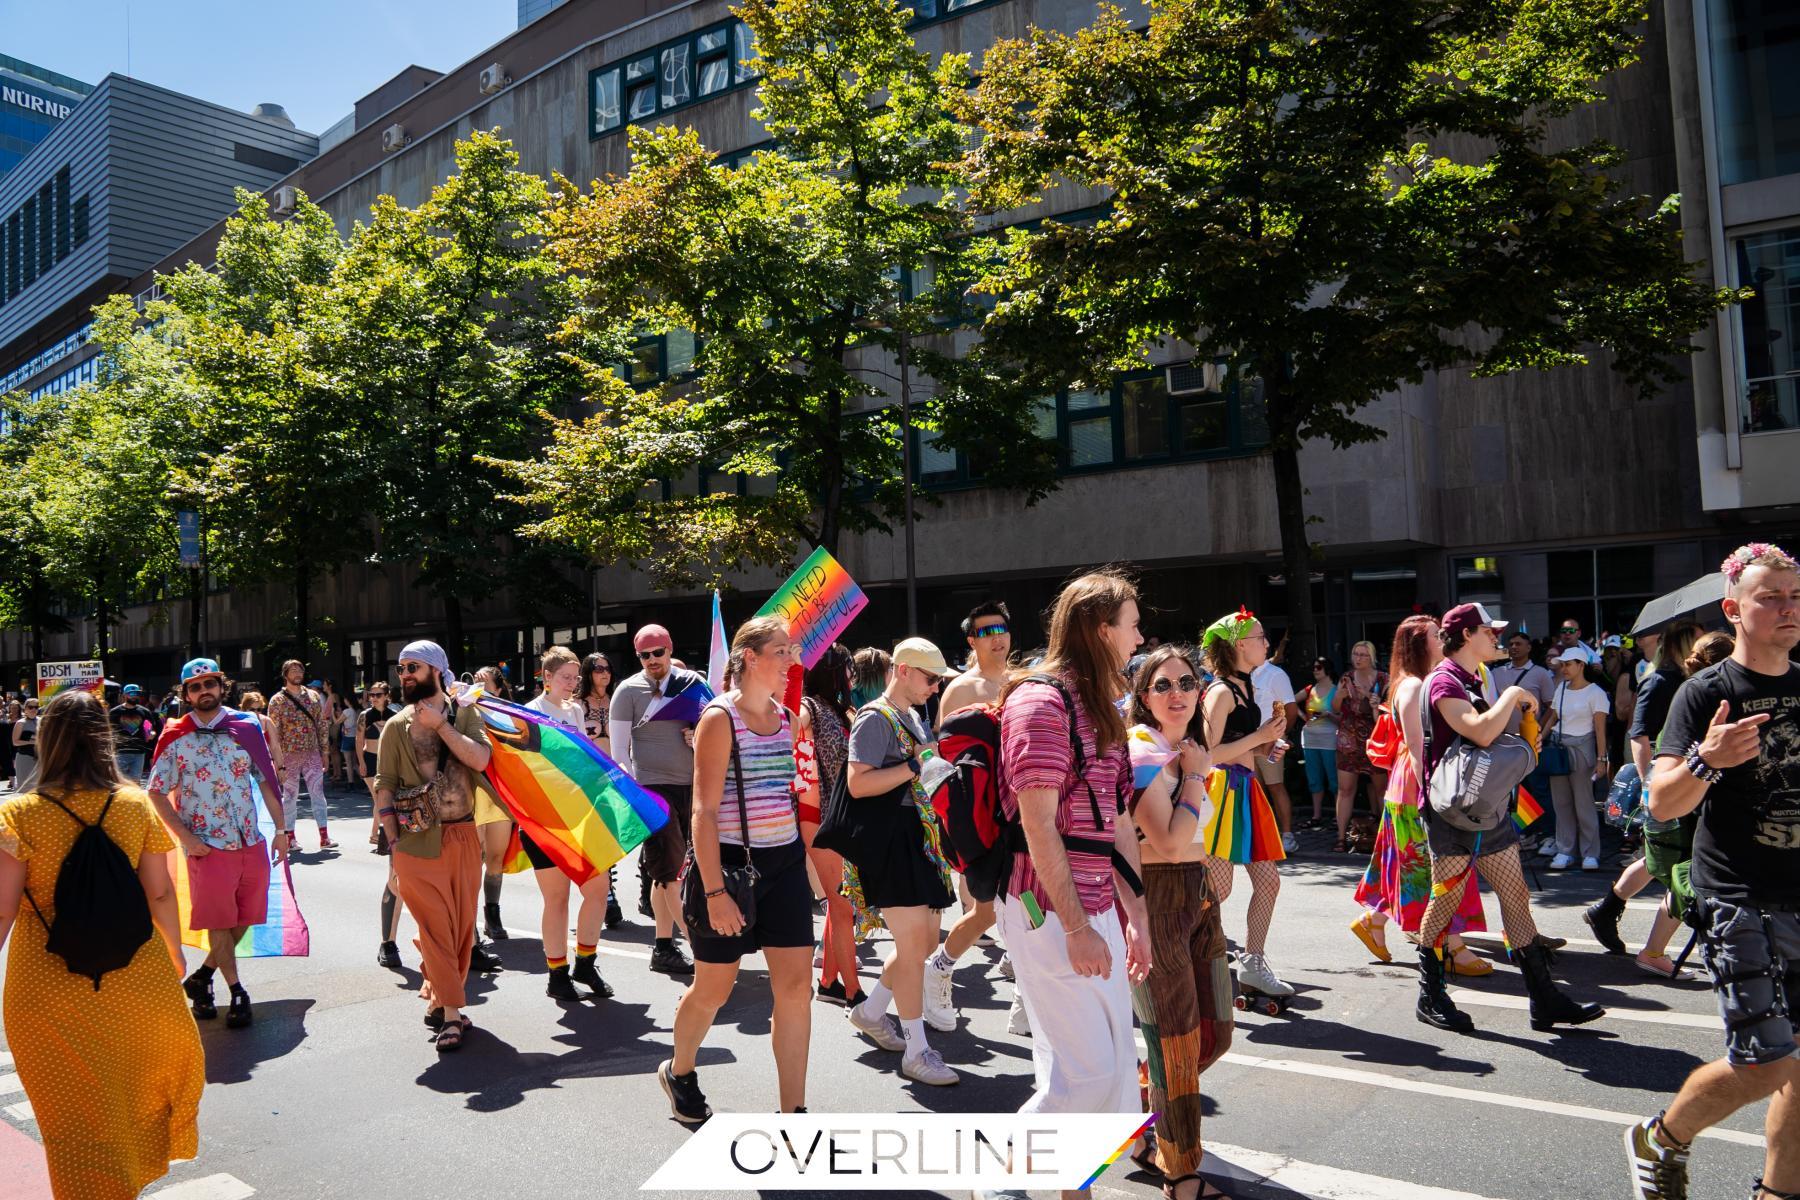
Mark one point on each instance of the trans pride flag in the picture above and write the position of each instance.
(284, 932)
(580, 807)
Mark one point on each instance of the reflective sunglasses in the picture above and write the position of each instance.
(990, 631)
(647, 655)
(1164, 686)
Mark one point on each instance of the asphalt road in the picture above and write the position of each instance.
(336, 1091)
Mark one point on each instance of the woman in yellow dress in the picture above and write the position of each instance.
(113, 1074)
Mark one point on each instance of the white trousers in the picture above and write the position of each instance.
(1081, 1026)
(313, 771)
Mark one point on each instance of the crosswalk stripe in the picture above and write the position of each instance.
(6, 1059)
(9, 1084)
(1246, 1166)
(1647, 1016)
(21, 1111)
(208, 1187)
(1495, 943)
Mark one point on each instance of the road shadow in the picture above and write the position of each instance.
(1355, 1044)
(232, 1055)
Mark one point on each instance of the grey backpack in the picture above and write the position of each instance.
(1472, 787)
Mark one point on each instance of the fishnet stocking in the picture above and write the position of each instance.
(1501, 872)
(1265, 886)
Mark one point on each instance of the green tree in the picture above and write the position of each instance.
(1339, 196)
(27, 598)
(802, 274)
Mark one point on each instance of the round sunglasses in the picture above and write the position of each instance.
(1186, 683)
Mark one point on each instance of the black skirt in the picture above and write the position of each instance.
(899, 875)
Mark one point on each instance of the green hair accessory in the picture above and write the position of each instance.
(1230, 628)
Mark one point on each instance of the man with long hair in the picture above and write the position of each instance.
(303, 728)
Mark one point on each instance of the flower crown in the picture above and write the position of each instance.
(1231, 628)
(1744, 557)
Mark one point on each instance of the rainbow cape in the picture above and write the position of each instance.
(283, 932)
(580, 807)
(684, 704)
(1527, 811)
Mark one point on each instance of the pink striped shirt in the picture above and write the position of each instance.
(1035, 754)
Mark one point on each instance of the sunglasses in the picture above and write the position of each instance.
(983, 631)
(602, 667)
(647, 655)
(1186, 683)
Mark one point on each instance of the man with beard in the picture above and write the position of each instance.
(302, 729)
(439, 868)
(204, 787)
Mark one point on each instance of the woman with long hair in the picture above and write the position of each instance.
(113, 1069)
(1397, 883)
(1242, 828)
(744, 816)
(825, 722)
(1457, 709)
(1184, 1005)
(560, 673)
(1359, 694)
(596, 706)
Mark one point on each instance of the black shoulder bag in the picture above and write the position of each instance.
(740, 882)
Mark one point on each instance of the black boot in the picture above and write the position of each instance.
(491, 924)
(1549, 1007)
(483, 959)
(560, 986)
(615, 916)
(585, 972)
(644, 909)
(1603, 919)
(1435, 1005)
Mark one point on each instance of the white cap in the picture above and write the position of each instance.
(1575, 653)
(1612, 642)
(921, 655)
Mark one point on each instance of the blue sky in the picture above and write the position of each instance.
(315, 57)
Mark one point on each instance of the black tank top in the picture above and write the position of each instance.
(1243, 719)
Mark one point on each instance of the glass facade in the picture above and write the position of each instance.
(1756, 104)
(1769, 323)
(33, 102)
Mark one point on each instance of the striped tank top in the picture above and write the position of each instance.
(768, 766)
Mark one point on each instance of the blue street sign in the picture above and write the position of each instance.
(187, 526)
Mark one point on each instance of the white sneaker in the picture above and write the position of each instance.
(819, 958)
(884, 1031)
(939, 1012)
(1546, 848)
(1254, 971)
(1289, 843)
(1006, 967)
(1590, 863)
(1562, 862)
(1017, 1023)
(928, 1066)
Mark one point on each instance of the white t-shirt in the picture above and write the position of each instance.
(1269, 686)
(568, 712)
(1575, 709)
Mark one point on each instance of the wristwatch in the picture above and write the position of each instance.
(913, 765)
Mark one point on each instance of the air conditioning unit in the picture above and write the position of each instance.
(282, 202)
(393, 138)
(1193, 379)
(493, 79)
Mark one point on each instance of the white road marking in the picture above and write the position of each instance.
(615, 951)
(21, 1112)
(6, 1059)
(1243, 1165)
(1445, 1091)
(208, 1187)
(1647, 1016)
(1493, 943)
(10, 1084)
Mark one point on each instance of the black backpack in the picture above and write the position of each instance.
(102, 916)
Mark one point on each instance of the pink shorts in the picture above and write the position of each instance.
(229, 888)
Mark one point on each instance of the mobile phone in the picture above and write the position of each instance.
(1032, 911)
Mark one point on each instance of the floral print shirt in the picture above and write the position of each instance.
(299, 724)
(212, 786)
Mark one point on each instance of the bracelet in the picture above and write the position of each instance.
(1190, 808)
(1193, 777)
(1699, 768)
(384, 812)
(1076, 930)
(719, 891)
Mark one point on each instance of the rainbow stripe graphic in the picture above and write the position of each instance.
(578, 805)
(818, 601)
(1116, 1154)
(1527, 811)
(1242, 828)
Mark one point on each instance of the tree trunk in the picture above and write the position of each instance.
(1290, 515)
(453, 629)
(302, 611)
(102, 618)
(196, 599)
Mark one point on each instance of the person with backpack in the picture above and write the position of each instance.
(95, 1019)
(303, 730)
(824, 722)
(210, 768)
(899, 859)
(1468, 819)
(1064, 782)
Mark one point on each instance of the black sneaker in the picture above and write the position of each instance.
(560, 986)
(238, 1015)
(833, 993)
(686, 1100)
(615, 916)
(671, 959)
(484, 960)
(199, 990)
(388, 956)
(587, 973)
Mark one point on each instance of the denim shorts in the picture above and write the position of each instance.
(1754, 957)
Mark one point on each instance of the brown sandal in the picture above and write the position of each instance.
(450, 1037)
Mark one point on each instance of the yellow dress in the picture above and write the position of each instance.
(114, 1075)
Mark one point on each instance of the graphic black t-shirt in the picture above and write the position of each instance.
(1747, 847)
(134, 726)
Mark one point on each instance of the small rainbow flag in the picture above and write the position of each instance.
(580, 807)
(818, 601)
(1150, 753)
(1527, 811)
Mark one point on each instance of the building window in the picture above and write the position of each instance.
(62, 214)
(1145, 403)
(1754, 45)
(677, 83)
(78, 218)
(713, 50)
(1603, 590)
(743, 54)
(608, 113)
(668, 77)
(1090, 437)
(1768, 324)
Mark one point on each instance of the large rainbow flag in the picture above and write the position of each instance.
(284, 932)
(580, 807)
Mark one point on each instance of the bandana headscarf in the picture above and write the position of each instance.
(433, 656)
(1231, 628)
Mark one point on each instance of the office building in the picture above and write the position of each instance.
(33, 101)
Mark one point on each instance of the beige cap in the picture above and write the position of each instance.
(921, 655)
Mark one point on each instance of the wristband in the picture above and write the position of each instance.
(384, 812)
(1192, 777)
(1699, 768)
(1076, 930)
(1190, 808)
(720, 891)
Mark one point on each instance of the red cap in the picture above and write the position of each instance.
(652, 635)
(1469, 617)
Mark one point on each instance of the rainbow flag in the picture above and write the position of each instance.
(1527, 811)
(284, 932)
(817, 602)
(578, 805)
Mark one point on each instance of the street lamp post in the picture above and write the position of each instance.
(906, 462)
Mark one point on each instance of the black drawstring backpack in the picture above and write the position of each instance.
(102, 916)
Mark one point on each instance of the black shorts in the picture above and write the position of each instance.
(784, 905)
(539, 860)
(661, 856)
(369, 763)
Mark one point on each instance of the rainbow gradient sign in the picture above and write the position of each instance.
(818, 601)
